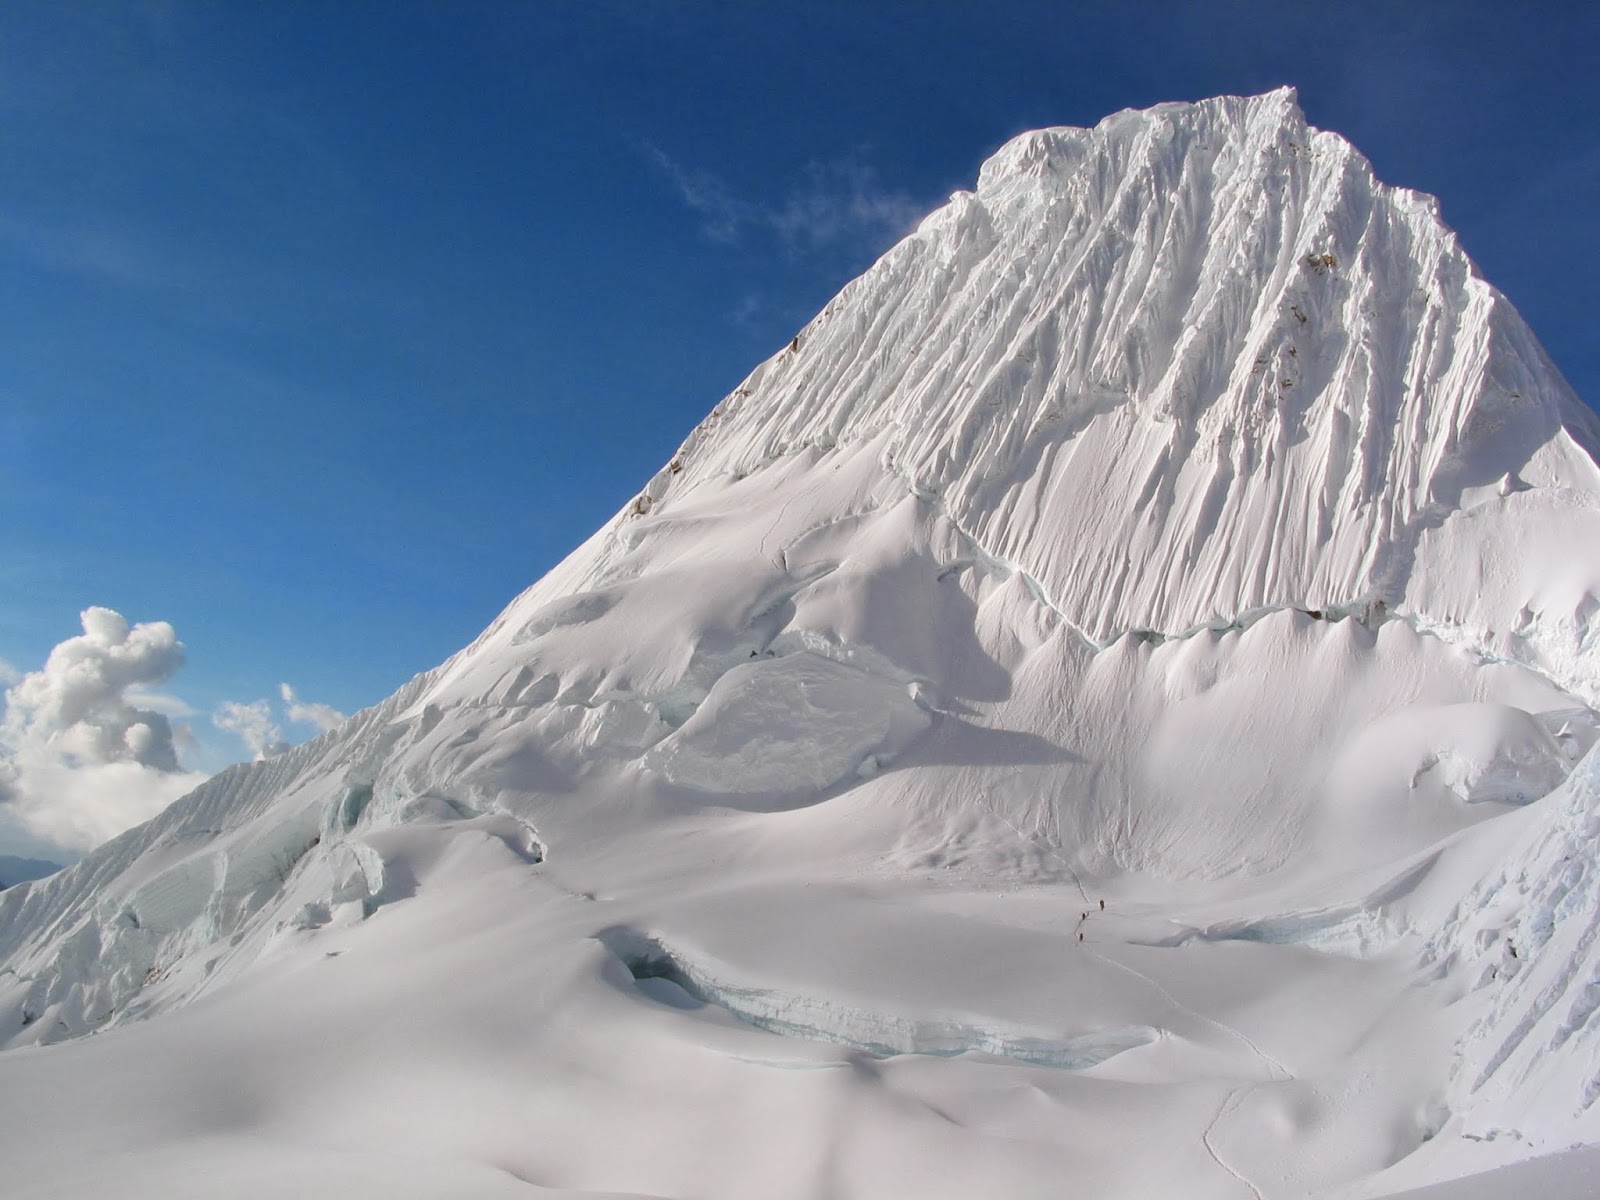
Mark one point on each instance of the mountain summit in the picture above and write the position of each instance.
(1120, 677)
(1189, 363)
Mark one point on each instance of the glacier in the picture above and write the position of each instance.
(1108, 708)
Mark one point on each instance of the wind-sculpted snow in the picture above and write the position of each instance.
(1187, 363)
(1160, 595)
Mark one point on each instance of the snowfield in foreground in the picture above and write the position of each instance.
(1107, 711)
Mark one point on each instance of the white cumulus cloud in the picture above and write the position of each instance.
(260, 727)
(81, 759)
(309, 712)
(253, 725)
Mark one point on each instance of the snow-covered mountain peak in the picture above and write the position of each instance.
(1123, 639)
(1050, 154)
(1190, 363)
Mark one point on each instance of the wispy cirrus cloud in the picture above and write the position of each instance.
(724, 216)
(746, 313)
(107, 257)
(840, 203)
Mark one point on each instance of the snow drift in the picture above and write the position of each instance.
(1120, 677)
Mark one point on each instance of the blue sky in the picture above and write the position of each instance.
(330, 327)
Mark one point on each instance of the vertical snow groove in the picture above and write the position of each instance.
(1198, 307)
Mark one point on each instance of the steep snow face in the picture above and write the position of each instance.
(1102, 663)
(1185, 364)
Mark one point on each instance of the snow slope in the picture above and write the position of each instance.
(1099, 708)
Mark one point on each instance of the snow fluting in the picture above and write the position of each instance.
(1107, 709)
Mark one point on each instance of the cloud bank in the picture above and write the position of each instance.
(80, 759)
(88, 745)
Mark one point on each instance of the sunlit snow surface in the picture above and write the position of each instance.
(1105, 712)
